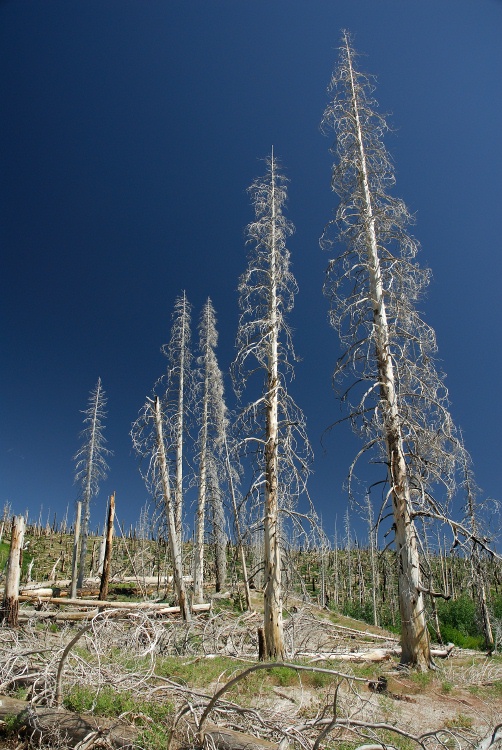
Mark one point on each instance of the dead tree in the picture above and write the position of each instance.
(398, 400)
(213, 424)
(105, 575)
(91, 463)
(10, 605)
(149, 441)
(271, 423)
(178, 398)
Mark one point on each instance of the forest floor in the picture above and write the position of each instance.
(146, 666)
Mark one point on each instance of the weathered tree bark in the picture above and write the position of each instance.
(76, 543)
(46, 724)
(10, 605)
(105, 576)
(224, 738)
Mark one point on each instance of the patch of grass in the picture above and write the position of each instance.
(446, 687)
(396, 740)
(9, 726)
(154, 737)
(20, 693)
(108, 702)
(460, 721)
(422, 679)
(199, 672)
(317, 679)
(283, 676)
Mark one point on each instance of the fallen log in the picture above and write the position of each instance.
(114, 605)
(375, 655)
(229, 739)
(44, 724)
(34, 593)
(57, 616)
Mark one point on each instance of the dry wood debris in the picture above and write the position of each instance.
(304, 714)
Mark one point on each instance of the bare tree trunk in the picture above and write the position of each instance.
(273, 625)
(374, 571)
(336, 580)
(238, 529)
(76, 541)
(86, 502)
(179, 584)
(220, 540)
(105, 576)
(198, 568)
(414, 635)
(10, 604)
(178, 495)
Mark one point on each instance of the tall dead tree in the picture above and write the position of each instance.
(272, 422)
(213, 423)
(91, 466)
(398, 397)
(178, 399)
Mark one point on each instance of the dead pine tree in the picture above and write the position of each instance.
(179, 395)
(149, 440)
(10, 605)
(273, 427)
(397, 397)
(213, 421)
(91, 466)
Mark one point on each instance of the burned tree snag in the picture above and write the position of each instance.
(10, 605)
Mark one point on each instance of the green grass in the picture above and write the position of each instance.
(111, 703)
(4, 556)
(460, 721)
(198, 672)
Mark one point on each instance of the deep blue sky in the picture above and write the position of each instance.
(129, 132)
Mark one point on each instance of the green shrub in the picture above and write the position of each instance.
(459, 622)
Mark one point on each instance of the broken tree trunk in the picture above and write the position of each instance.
(76, 544)
(105, 577)
(156, 606)
(224, 738)
(10, 605)
(50, 724)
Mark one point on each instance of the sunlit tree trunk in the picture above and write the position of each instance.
(373, 284)
(275, 423)
(211, 454)
(198, 579)
(273, 625)
(414, 635)
(179, 584)
(9, 612)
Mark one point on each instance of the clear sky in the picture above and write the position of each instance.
(129, 132)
